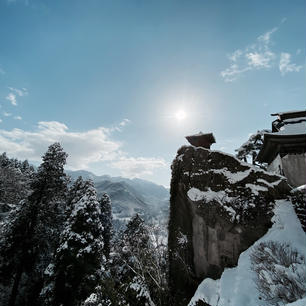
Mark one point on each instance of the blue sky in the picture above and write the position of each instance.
(108, 79)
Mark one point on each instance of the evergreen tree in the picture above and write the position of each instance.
(75, 193)
(106, 219)
(15, 179)
(106, 294)
(251, 148)
(51, 181)
(79, 260)
(32, 230)
(97, 299)
(135, 263)
(14, 257)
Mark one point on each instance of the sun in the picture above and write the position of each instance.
(180, 115)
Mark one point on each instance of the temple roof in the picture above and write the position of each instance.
(294, 126)
(201, 140)
(209, 136)
(288, 136)
(290, 114)
(275, 143)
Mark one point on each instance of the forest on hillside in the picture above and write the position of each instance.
(58, 245)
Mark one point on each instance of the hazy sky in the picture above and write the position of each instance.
(120, 83)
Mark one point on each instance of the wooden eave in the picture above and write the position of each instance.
(275, 144)
(290, 115)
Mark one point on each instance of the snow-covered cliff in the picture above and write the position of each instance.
(219, 207)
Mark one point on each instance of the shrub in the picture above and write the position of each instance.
(280, 272)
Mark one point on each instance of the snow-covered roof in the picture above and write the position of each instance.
(208, 136)
(290, 114)
(201, 140)
(275, 142)
(292, 120)
(288, 135)
(293, 127)
(200, 134)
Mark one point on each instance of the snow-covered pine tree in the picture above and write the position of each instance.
(249, 150)
(74, 195)
(79, 259)
(106, 295)
(49, 195)
(97, 299)
(15, 179)
(106, 219)
(14, 258)
(134, 261)
(32, 230)
(51, 181)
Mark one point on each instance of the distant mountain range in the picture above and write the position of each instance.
(130, 196)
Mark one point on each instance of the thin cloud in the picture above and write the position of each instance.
(120, 126)
(17, 117)
(124, 122)
(84, 148)
(257, 56)
(20, 92)
(260, 60)
(284, 20)
(5, 114)
(285, 64)
(234, 56)
(266, 37)
(12, 96)
(231, 74)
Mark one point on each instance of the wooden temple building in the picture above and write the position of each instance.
(284, 150)
(201, 140)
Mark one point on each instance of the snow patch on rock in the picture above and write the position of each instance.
(194, 194)
(233, 177)
(256, 188)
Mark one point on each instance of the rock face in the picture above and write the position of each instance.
(299, 204)
(219, 206)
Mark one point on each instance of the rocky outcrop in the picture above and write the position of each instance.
(298, 197)
(219, 206)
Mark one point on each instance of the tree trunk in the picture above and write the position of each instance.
(14, 291)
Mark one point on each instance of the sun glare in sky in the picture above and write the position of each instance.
(180, 115)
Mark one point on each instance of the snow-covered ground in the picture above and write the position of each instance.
(236, 286)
